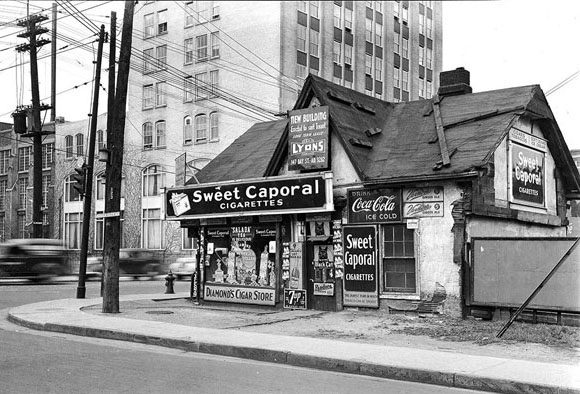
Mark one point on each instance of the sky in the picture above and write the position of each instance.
(503, 43)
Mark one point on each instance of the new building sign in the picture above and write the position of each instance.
(271, 196)
(374, 206)
(361, 282)
(527, 168)
(308, 139)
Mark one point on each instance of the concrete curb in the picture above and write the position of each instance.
(299, 358)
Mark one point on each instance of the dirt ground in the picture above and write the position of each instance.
(537, 342)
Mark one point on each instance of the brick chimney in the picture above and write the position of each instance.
(454, 82)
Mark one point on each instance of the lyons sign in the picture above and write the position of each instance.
(275, 195)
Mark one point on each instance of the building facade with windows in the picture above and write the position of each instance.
(16, 184)
(205, 71)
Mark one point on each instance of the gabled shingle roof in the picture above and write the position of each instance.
(398, 142)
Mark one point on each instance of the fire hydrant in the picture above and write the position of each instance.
(169, 279)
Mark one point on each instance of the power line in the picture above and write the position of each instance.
(563, 83)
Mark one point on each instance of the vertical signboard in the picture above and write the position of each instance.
(361, 282)
(308, 139)
(180, 170)
(527, 164)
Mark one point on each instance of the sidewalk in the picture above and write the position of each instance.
(287, 337)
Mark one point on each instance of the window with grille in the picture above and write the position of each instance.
(337, 16)
(149, 25)
(214, 126)
(151, 230)
(22, 192)
(147, 96)
(80, 141)
(337, 53)
(213, 83)
(148, 61)
(3, 187)
(160, 96)
(201, 129)
(188, 90)
(215, 44)
(24, 158)
(189, 14)
(153, 180)
(162, 22)
(148, 135)
(399, 271)
(161, 52)
(201, 88)
(4, 161)
(188, 49)
(46, 180)
(100, 140)
(187, 130)
(160, 134)
(201, 42)
(301, 38)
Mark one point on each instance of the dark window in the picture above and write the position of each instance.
(369, 47)
(397, 60)
(405, 64)
(429, 43)
(337, 34)
(429, 13)
(302, 19)
(421, 72)
(378, 52)
(301, 58)
(337, 71)
(378, 87)
(421, 40)
(314, 63)
(314, 24)
(348, 74)
(406, 32)
(397, 27)
(405, 96)
(397, 93)
(379, 17)
(348, 38)
(429, 75)
(369, 13)
(368, 82)
(421, 9)
(348, 4)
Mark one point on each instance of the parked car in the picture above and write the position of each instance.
(36, 258)
(132, 262)
(183, 267)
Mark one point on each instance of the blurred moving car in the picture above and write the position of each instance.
(132, 262)
(183, 267)
(36, 258)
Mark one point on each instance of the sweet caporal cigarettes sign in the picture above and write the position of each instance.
(268, 195)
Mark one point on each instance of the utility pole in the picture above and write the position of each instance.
(111, 90)
(36, 130)
(81, 290)
(115, 145)
(53, 69)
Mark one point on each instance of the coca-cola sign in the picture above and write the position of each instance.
(374, 206)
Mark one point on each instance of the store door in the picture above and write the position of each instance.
(321, 290)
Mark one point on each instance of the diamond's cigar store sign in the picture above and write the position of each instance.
(271, 196)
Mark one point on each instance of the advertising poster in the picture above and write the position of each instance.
(295, 268)
(528, 175)
(337, 245)
(360, 266)
(374, 206)
(308, 143)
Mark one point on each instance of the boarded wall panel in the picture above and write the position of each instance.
(506, 271)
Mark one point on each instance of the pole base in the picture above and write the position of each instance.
(81, 291)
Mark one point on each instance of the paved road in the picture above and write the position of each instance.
(40, 362)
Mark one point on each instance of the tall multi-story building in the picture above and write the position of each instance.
(204, 71)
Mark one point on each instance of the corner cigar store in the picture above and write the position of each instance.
(253, 234)
(355, 202)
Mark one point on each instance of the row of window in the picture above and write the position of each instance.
(25, 154)
(196, 12)
(202, 86)
(75, 145)
(22, 188)
(201, 129)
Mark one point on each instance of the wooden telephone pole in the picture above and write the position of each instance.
(115, 146)
(35, 131)
(81, 289)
